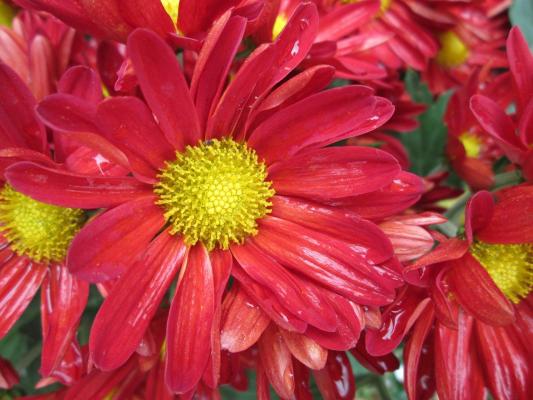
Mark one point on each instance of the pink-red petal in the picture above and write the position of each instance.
(126, 313)
(73, 190)
(114, 240)
(190, 322)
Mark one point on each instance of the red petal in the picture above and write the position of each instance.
(478, 213)
(521, 64)
(309, 305)
(129, 124)
(98, 384)
(410, 241)
(197, 16)
(190, 322)
(214, 62)
(155, 384)
(276, 361)
(19, 126)
(418, 355)
(304, 349)
(68, 113)
(512, 219)
(20, 279)
(350, 319)
(82, 82)
(126, 313)
(506, 362)
(267, 66)
(364, 236)
(73, 190)
(8, 375)
(350, 110)
(344, 20)
(377, 365)
(268, 302)
(403, 192)
(114, 240)
(398, 319)
(323, 259)
(306, 83)
(498, 124)
(63, 300)
(450, 249)
(336, 380)
(147, 14)
(333, 172)
(243, 321)
(477, 292)
(164, 88)
(221, 263)
(456, 367)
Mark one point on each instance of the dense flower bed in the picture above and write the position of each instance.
(295, 199)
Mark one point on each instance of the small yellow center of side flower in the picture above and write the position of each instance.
(453, 51)
(214, 193)
(471, 143)
(172, 8)
(40, 231)
(509, 265)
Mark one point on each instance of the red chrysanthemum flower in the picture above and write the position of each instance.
(227, 182)
(474, 39)
(395, 35)
(472, 319)
(39, 48)
(34, 236)
(470, 150)
(514, 138)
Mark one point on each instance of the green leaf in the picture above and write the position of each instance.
(521, 14)
(418, 90)
(426, 144)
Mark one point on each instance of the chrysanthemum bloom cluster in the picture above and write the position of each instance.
(246, 186)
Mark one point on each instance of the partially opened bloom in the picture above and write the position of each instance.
(514, 136)
(228, 182)
(474, 39)
(39, 48)
(471, 318)
(471, 151)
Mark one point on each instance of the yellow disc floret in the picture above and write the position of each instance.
(214, 193)
(471, 143)
(172, 8)
(453, 51)
(40, 231)
(509, 265)
(279, 24)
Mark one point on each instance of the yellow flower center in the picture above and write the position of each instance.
(472, 144)
(509, 265)
(172, 8)
(279, 24)
(453, 51)
(40, 231)
(214, 193)
(7, 13)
